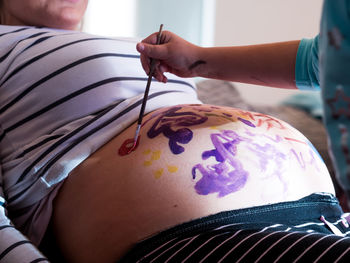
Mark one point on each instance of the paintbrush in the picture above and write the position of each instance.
(145, 96)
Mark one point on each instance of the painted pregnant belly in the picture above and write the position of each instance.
(225, 148)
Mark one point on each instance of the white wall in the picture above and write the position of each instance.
(192, 19)
(211, 22)
(111, 18)
(240, 22)
(183, 17)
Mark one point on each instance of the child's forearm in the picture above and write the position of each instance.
(267, 64)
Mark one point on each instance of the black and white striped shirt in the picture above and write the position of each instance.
(239, 243)
(63, 94)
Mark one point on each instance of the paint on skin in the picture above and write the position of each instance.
(171, 119)
(267, 152)
(226, 114)
(158, 173)
(312, 147)
(147, 163)
(248, 132)
(246, 122)
(294, 140)
(269, 157)
(245, 114)
(276, 139)
(219, 116)
(201, 109)
(146, 152)
(227, 175)
(269, 121)
(312, 151)
(128, 146)
(154, 157)
(300, 157)
(229, 117)
(301, 160)
(172, 168)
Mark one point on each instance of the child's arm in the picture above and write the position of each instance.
(267, 64)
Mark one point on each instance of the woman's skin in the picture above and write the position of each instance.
(191, 161)
(63, 14)
(267, 64)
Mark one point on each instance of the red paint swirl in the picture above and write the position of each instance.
(128, 146)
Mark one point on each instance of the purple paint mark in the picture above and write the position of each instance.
(314, 150)
(276, 139)
(248, 132)
(246, 122)
(228, 175)
(227, 115)
(271, 158)
(302, 162)
(170, 119)
(313, 159)
(266, 154)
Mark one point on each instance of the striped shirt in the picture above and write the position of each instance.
(239, 243)
(63, 94)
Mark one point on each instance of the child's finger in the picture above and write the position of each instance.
(145, 62)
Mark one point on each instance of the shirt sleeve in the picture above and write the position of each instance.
(334, 51)
(307, 65)
(14, 247)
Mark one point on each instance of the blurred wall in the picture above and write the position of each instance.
(187, 18)
(194, 20)
(241, 22)
(111, 18)
(211, 22)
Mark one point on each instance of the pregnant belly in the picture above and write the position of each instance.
(191, 161)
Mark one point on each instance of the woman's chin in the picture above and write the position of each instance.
(66, 24)
(67, 20)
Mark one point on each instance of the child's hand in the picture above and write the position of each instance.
(174, 55)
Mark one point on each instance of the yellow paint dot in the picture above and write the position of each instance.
(147, 152)
(172, 169)
(158, 173)
(214, 127)
(156, 155)
(147, 163)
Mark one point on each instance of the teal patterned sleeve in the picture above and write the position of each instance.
(306, 66)
(334, 51)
